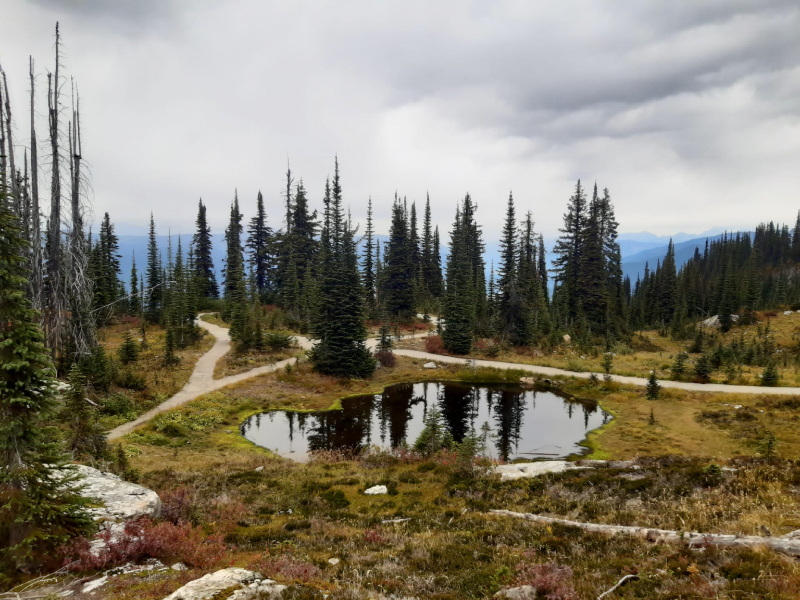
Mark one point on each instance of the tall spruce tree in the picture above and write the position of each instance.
(459, 302)
(204, 264)
(591, 272)
(369, 263)
(398, 274)
(512, 310)
(39, 512)
(154, 277)
(259, 244)
(339, 323)
(569, 250)
(236, 305)
(134, 301)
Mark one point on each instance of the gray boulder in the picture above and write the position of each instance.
(121, 501)
(251, 586)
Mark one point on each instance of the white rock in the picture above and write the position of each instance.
(429, 365)
(333, 561)
(787, 312)
(122, 501)
(91, 586)
(376, 490)
(523, 592)
(259, 469)
(178, 567)
(533, 469)
(567, 338)
(212, 584)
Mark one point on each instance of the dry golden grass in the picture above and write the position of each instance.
(234, 362)
(451, 548)
(160, 382)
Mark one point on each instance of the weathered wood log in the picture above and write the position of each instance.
(783, 545)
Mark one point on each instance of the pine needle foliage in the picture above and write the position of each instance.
(38, 511)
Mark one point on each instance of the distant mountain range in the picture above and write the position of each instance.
(636, 248)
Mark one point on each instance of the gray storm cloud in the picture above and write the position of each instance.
(688, 112)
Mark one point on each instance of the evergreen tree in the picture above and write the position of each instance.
(459, 304)
(339, 324)
(727, 304)
(104, 265)
(653, 387)
(154, 277)
(128, 351)
(398, 275)
(303, 245)
(437, 278)
(204, 265)
(134, 301)
(569, 251)
(512, 308)
(259, 242)
(668, 287)
(236, 304)
(369, 264)
(702, 368)
(39, 512)
(591, 275)
(170, 358)
(85, 436)
(542, 268)
(537, 321)
(770, 375)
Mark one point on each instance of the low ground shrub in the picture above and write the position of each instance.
(434, 344)
(145, 539)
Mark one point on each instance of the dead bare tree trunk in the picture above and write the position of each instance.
(785, 545)
(55, 305)
(80, 287)
(15, 195)
(34, 212)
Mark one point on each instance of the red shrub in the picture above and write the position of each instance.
(434, 344)
(287, 568)
(374, 536)
(551, 581)
(178, 505)
(145, 539)
(386, 358)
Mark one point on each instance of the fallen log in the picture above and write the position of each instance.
(784, 545)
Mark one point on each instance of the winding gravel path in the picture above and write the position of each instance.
(202, 379)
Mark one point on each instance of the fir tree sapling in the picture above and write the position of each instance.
(653, 389)
(678, 368)
(85, 436)
(770, 375)
(702, 368)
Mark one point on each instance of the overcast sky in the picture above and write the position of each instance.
(689, 112)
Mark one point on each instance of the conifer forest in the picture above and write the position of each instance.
(339, 396)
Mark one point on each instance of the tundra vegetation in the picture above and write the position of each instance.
(699, 461)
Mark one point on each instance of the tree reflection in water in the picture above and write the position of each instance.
(523, 423)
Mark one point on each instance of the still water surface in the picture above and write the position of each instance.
(524, 423)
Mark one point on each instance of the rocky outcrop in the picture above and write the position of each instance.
(121, 501)
(251, 586)
(533, 469)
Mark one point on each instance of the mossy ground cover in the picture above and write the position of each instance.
(288, 519)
